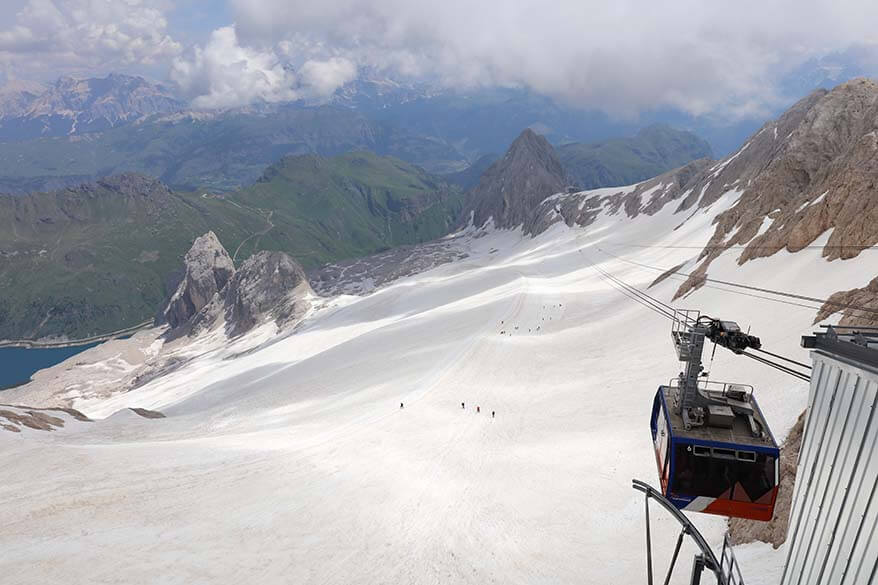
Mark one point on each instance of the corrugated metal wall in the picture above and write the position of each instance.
(833, 532)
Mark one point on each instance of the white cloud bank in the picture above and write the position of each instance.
(40, 37)
(621, 56)
(225, 74)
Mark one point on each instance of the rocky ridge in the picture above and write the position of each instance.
(811, 171)
(820, 176)
(267, 286)
(865, 298)
(514, 186)
(208, 269)
(139, 194)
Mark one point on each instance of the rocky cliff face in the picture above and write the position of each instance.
(17, 96)
(811, 172)
(208, 269)
(820, 174)
(865, 299)
(647, 197)
(512, 188)
(267, 286)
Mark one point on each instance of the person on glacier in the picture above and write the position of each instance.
(462, 406)
(478, 409)
(401, 405)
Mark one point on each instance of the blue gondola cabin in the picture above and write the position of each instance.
(718, 468)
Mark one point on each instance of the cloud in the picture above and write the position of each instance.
(622, 57)
(49, 36)
(324, 77)
(719, 59)
(224, 74)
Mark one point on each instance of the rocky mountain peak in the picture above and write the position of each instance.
(208, 269)
(17, 95)
(134, 184)
(113, 98)
(813, 170)
(512, 188)
(76, 106)
(268, 285)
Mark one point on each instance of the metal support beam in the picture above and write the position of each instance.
(674, 558)
(648, 543)
(697, 569)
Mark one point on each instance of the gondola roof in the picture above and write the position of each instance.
(738, 434)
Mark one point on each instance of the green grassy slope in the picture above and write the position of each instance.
(349, 205)
(624, 161)
(85, 262)
(88, 260)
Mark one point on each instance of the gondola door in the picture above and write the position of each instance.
(661, 439)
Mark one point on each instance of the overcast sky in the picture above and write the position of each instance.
(624, 56)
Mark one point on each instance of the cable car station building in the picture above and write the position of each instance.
(833, 530)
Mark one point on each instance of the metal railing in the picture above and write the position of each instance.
(721, 388)
(725, 568)
(684, 319)
(728, 564)
(682, 334)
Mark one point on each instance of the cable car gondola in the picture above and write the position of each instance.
(714, 450)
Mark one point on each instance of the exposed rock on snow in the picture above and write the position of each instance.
(14, 418)
(302, 419)
(145, 413)
(512, 187)
(364, 275)
(865, 297)
(648, 197)
(269, 285)
(208, 268)
(822, 176)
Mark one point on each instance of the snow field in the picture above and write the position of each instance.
(294, 464)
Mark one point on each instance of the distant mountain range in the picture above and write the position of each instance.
(96, 257)
(78, 106)
(80, 130)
